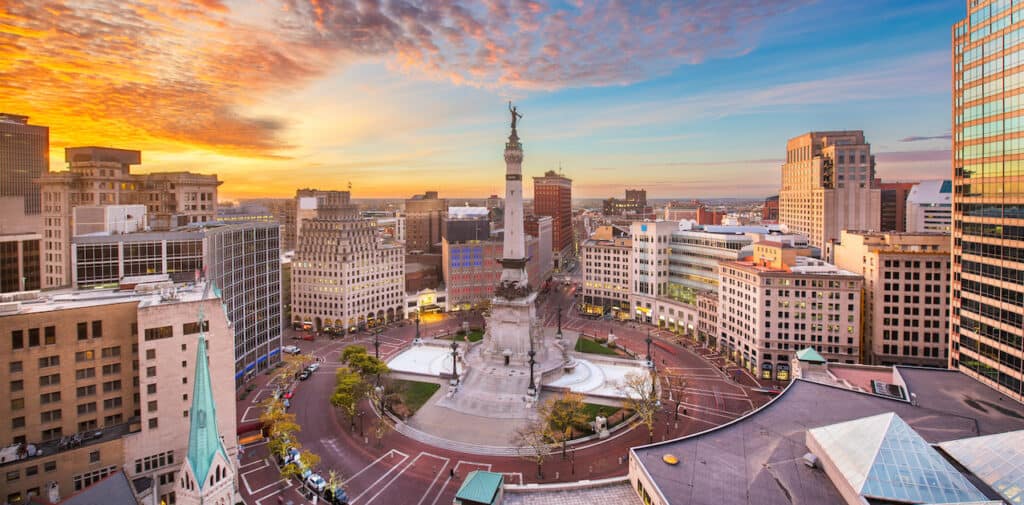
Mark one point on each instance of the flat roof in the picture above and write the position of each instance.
(80, 298)
(757, 458)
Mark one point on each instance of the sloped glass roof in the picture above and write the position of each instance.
(998, 460)
(884, 458)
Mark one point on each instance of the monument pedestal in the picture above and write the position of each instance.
(510, 328)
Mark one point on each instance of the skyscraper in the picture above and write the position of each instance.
(828, 185)
(987, 323)
(24, 157)
(552, 196)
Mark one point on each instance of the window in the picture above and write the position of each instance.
(85, 373)
(152, 424)
(50, 466)
(151, 406)
(52, 433)
(97, 329)
(49, 380)
(193, 328)
(85, 480)
(31, 470)
(83, 331)
(17, 385)
(150, 353)
(86, 391)
(49, 361)
(53, 397)
(159, 333)
(50, 335)
(112, 369)
(17, 403)
(87, 408)
(91, 424)
(15, 367)
(81, 356)
(111, 386)
(150, 371)
(112, 403)
(50, 416)
(111, 352)
(151, 389)
(17, 339)
(13, 475)
(33, 337)
(18, 422)
(94, 457)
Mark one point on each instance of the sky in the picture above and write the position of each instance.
(691, 98)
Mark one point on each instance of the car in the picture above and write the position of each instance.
(314, 367)
(308, 336)
(304, 375)
(291, 455)
(291, 349)
(289, 395)
(316, 482)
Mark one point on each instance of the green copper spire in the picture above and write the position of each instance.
(203, 440)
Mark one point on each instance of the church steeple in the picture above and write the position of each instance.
(203, 439)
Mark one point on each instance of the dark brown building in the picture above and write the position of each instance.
(424, 215)
(552, 196)
(770, 211)
(894, 205)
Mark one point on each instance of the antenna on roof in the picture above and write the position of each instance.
(349, 186)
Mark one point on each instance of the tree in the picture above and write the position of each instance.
(562, 414)
(334, 481)
(309, 459)
(368, 365)
(348, 392)
(641, 399)
(350, 351)
(532, 444)
(383, 427)
(291, 365)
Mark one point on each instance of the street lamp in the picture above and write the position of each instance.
(455, 353)
(376, 343)
(559, 321)
(650, 362)
(417, 339)
(532, 390)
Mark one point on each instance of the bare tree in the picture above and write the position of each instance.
(562, 414)
(641, 398)
(532, 443)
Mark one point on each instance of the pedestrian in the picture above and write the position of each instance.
(451, 472)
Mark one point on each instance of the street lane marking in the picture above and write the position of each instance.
(382, 477)
(404, 469)
(439, 472)
(367, 467)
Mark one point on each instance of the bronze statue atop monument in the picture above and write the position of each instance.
(515, 115)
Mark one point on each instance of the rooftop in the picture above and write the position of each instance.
(931, 193)
(145, 295)
(113, 490)
(757, 459)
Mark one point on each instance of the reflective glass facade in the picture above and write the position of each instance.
(988, 194)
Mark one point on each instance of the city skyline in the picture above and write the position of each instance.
(674, 100)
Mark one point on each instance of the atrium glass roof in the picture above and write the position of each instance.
(998, 460)
(884, 458)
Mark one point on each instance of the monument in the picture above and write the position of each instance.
(511, 331)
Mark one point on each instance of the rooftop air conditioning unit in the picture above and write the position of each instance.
(810, 460)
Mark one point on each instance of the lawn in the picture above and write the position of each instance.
(589, 346)
(474, 336)
(415, 394)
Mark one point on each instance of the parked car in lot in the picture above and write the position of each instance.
(316, 482)
(304, 375)
(291, 349)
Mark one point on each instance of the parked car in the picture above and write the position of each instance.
(291, 349)
(314, 367)
(316, 482)
(308, 336)
(289, 395)
(304, 375)
(336, 496)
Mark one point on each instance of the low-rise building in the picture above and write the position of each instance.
(782, 300)
(930, 207)
(604, 261)
(906, 294)
(707, 317)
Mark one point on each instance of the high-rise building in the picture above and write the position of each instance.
(893, 215)
(345, 276)
(906, 295)
(781, 301)
(930, 207)
(828, 185)
(770, 210)
(242, 260)
(100, 381)
(24, 158)
(987, 324)
(313, 203)
(552, 196)
(423, 216)
(101, 176)
(541, 228)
